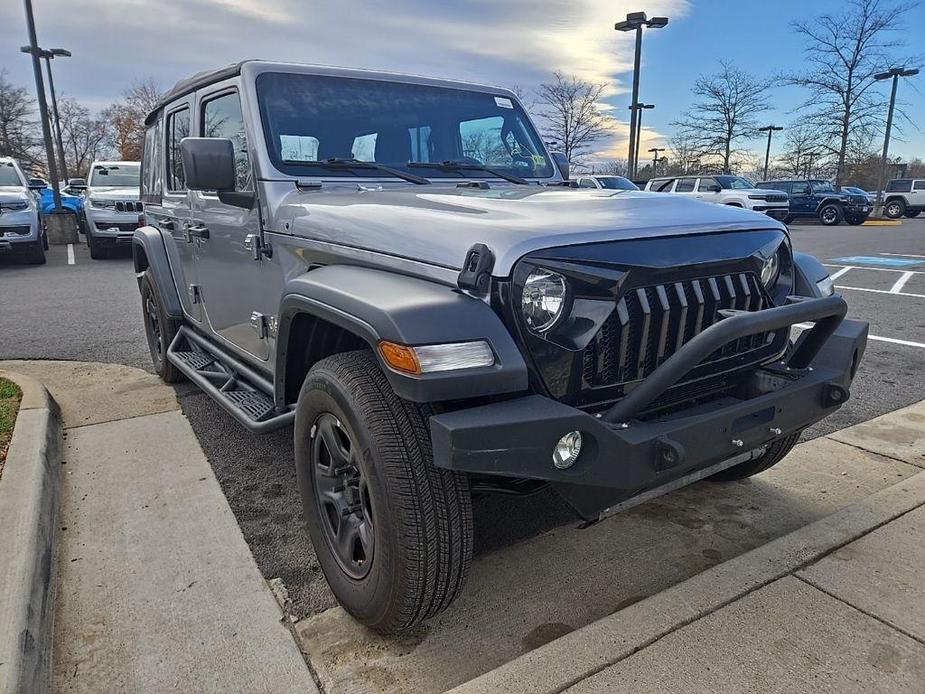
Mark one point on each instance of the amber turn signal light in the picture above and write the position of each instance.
(399, 357)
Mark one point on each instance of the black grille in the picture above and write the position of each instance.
(21, 230)
(771, 197)
(121, 226)
(129, 206)
(651, 323)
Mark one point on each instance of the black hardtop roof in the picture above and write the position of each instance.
(191, 84)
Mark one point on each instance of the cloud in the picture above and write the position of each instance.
(509, 42)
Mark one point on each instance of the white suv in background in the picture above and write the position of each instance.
(605, 182)
(113, 205)
(725, 190)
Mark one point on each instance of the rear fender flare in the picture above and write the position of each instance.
(149, 251)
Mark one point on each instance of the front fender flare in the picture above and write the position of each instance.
(149, 251)
(807, 271)
(378, 305)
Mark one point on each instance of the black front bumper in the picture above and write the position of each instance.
(624, 455)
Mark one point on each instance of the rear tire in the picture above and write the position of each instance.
(894, 209)
(774, 454)
(830, 215)
(405, 553)
(160, 329)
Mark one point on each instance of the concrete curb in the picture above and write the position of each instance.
(29, 498)
(586, 651)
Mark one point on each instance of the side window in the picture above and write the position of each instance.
(800, 188)
(177, 129)
(152, 185)
(705, 183)
(586, 183)
(899, 186)
(918, 185)
(685, 185)
(222, 117)
(663, 186)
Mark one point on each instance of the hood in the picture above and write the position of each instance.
(437, 224)
(765, 191)
(113, 193)
(13, 193)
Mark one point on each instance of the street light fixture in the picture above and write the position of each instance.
(48, 55)
(893, 73)
(655, 159)
(635, 21)
(767, 154)
(639, 108)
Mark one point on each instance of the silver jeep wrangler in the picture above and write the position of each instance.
(399, 269)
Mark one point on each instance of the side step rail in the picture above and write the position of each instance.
(241, 391)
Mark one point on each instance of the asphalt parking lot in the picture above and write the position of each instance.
(80, 309)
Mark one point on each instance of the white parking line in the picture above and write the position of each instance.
(875, 338)
(882, 291)
(901, 282)
(840, 272)
(70, 254)
(905, 255)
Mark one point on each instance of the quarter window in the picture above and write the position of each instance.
(919, 185)
(222, 117)
(151, 182)
(663, 186)
(177, 129)
(899, 186)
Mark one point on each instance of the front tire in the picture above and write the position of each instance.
(775, 452)
(392, 533)
(37, 254)
(97, 250)
(830, 215)
(160, 329)
(894, 209)
(856, 221)
(912, 214)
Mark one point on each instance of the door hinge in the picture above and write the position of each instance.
(258, 248)
(195, 293)
(261, 325)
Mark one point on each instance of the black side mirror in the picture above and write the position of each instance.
(37, 184)
(561, 163)
(208, 163)
(714, 188)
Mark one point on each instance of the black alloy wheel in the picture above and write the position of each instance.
(343, 496)
(830, 215)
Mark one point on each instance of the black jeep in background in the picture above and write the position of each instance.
(819, 199)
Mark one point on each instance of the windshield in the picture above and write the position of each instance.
(735, 182)
(115, 175)
(822, 187)
(616, 183)
(311, 117)
(9, 176)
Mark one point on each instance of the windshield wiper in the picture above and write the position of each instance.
(344, 163)
(460, 166)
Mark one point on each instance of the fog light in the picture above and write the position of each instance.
(567, 450)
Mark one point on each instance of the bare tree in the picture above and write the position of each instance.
(126, 118)
(84, 137)
(569, 109)
(19, 136)
(844, 50)
(801, 145)
(726, 112)
(615, 167)
(683, 155)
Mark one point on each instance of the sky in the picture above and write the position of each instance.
(502, 42)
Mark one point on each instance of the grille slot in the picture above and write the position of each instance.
(651, 323)
(129, 206)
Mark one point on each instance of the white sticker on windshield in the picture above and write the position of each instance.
(503, 102)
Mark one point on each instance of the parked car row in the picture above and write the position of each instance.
(725, 190)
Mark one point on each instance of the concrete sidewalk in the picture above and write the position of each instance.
(836, 606)
(156, 588)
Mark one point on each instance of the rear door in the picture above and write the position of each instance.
(917, 196)
(172, 216)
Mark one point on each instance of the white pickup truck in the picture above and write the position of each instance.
(725, 190)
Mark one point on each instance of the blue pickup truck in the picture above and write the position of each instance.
(819, 199)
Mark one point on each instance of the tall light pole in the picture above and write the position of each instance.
(655, 151)
(635, 21)
(36, 53)
(639, 108)
(893, 73)
(48, 55)
(809, 166)
(767, 153)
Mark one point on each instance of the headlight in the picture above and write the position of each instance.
(103, 204)
(15, 205)
(770, 271)
(543, 299)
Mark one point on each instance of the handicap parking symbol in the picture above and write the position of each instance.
(885, 261)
